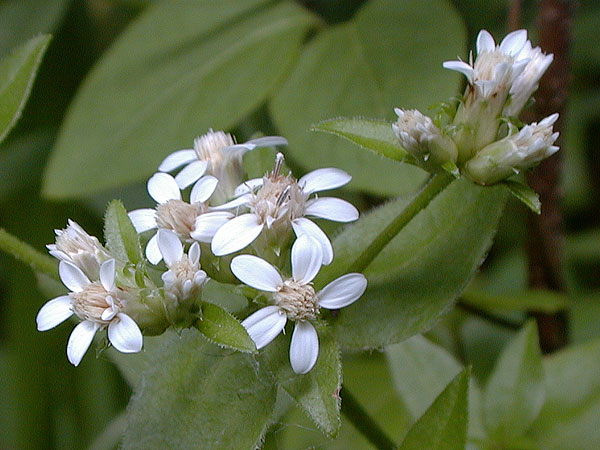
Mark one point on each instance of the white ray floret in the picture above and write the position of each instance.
(215, 153)
(295, 299)
(277, 203)
(98, 304)
(172, 213)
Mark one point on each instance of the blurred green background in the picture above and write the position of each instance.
(81, 142)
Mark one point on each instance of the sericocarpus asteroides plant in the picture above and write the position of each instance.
(173, 213)
(277, 204)
(295, 299)
(98, 304)
(215, 153)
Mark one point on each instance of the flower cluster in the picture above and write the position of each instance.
(263, 221)
(481, 139)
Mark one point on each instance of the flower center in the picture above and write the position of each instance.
(299, 301)
(208, 146)
(178, 216)
(92, 301)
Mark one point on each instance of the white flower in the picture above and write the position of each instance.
(516, 152)
(491, 78)
(294, 299)
(277, 203)
(172, 213)
(495, 67)
(184, 279)
(215, 153)
(420, 137)
(525, 84)
(98, 304)
(74, 245)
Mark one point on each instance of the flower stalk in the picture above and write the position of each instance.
(29, 255)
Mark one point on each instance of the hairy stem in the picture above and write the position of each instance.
(29, 255)
(428, 192)
(363, 422)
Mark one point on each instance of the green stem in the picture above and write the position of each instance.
(22, 251)
(363, 422)
(428, 192)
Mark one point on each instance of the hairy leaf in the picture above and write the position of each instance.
(121, 238)
(223, 329)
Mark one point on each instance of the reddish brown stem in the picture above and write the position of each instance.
(545, 232)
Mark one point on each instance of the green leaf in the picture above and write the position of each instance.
(223, 329)
(375, 135)
(389, 54)
(181, 68)
(421, 271)
(17, 73)
(121, 238)
(444, 424)
(569, 418)
(316, 392)
(525, 194)
(532, 300)
(515, 392)
(194, 395)
(21, 20)
(421, 370)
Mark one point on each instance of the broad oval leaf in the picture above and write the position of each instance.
(444, 424)
(421, 271)
(121, 238)
(223, 329)
(516, 390)
(316, 392)
(193, 395)
(17, 74)
(183, 67)
(389, 54)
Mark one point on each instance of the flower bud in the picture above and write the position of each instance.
(516, 152)
(420, 137)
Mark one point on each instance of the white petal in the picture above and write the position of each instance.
(485, 42)
(304, 348)
(331, 208)
(170, 246)
(177, 159)
(342, 291)
(514, 42)
(107, 274)
(264, 325)
(248, 186)
(124, 334)
(162, 187)
(143, 219)
(206, 225)
(323, 179)
(191, 173)
(256, 272)
(194, 253)
(80, 340)
(203, 189)
(72, 276)
(302, 225)
(153, 253)
(236, 234)
(235, 203)
(54, 312)
(267, 141)
(461, 67)
(307, 258)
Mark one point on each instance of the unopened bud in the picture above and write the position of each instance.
(514, 153)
